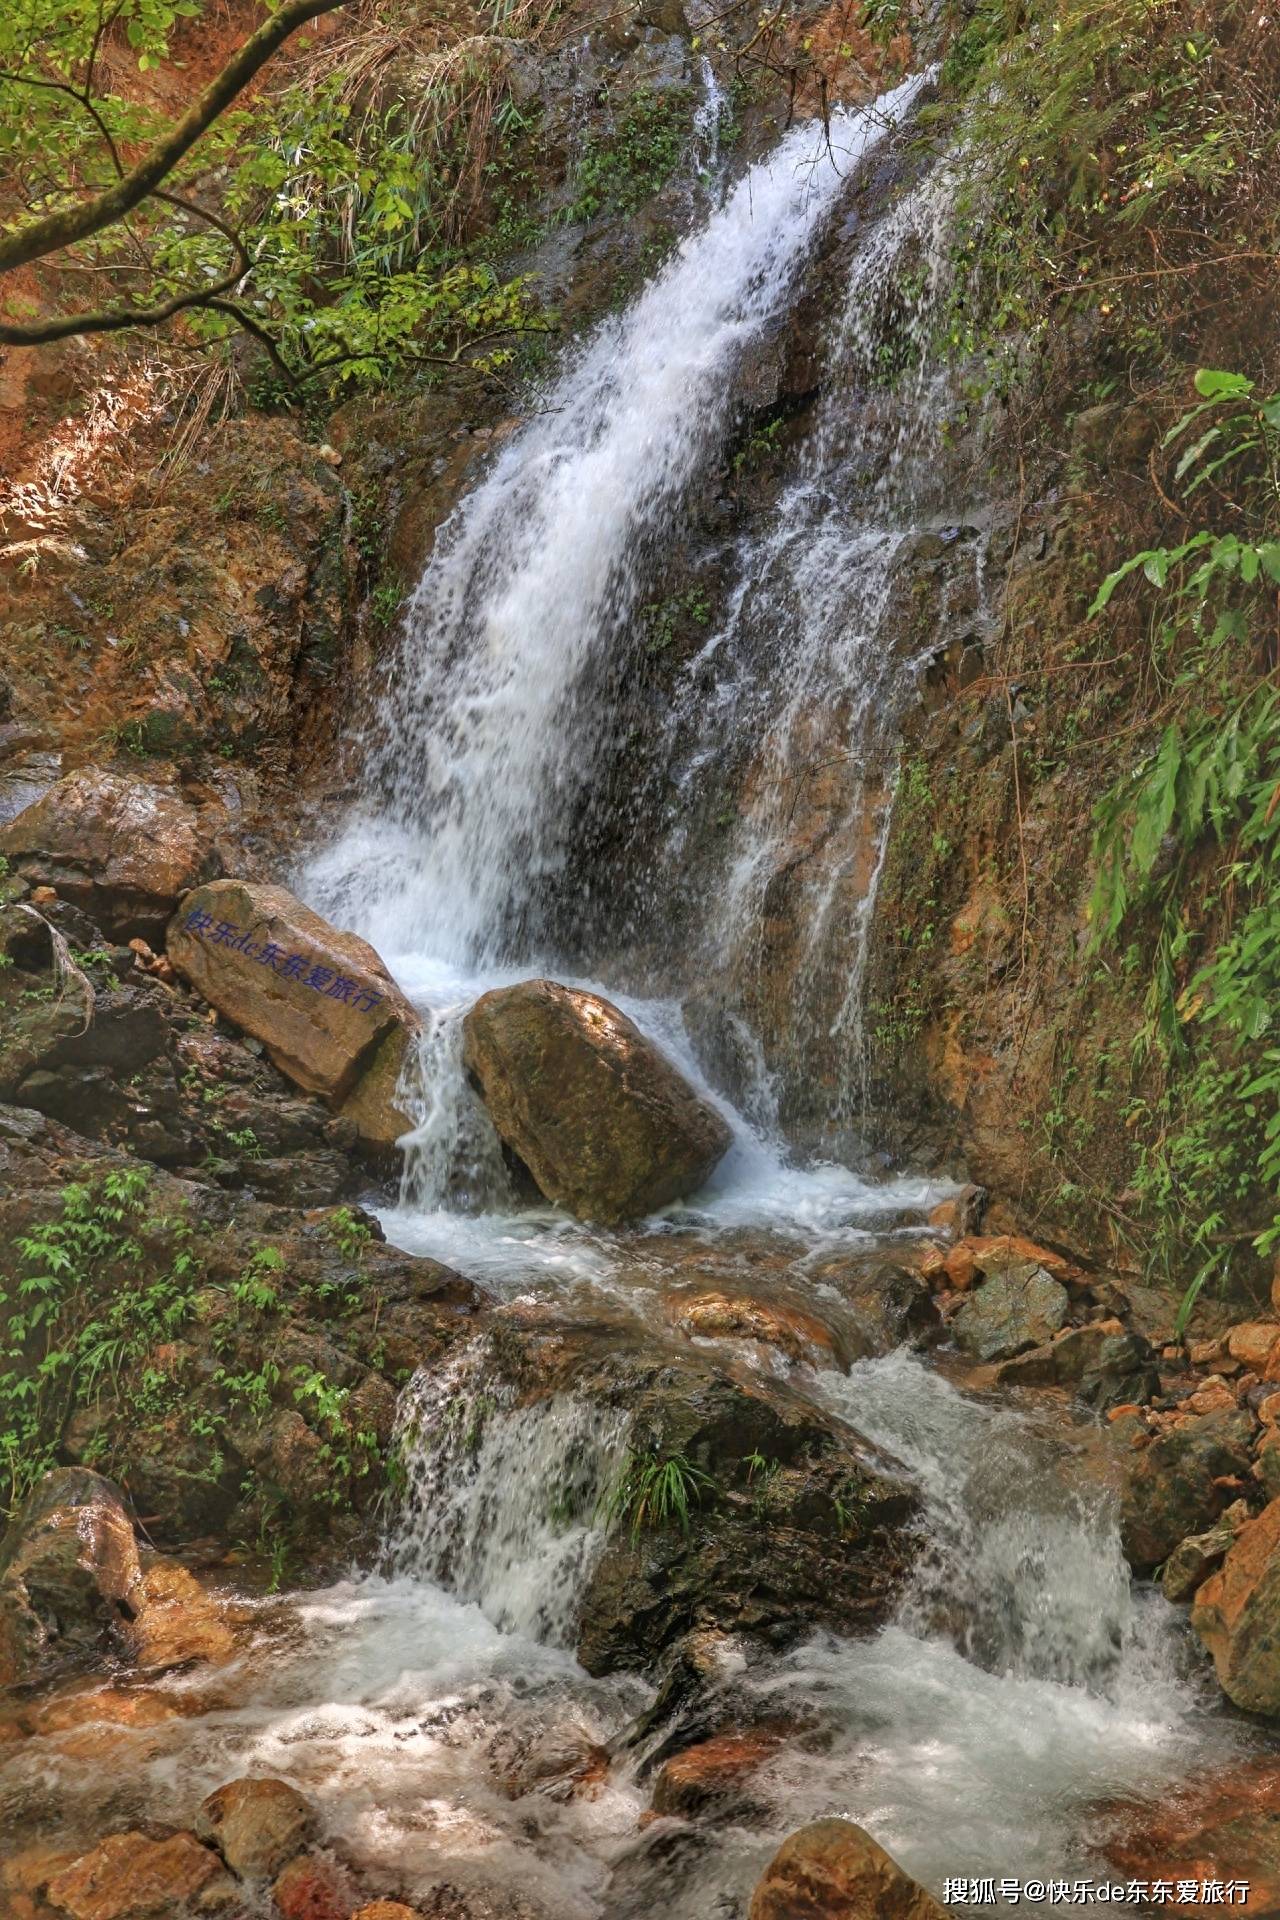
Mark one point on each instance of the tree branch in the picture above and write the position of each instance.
(105, 209)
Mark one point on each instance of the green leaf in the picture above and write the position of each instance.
(1216, 385)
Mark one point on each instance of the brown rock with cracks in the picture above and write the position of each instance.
(130, 1877)
(1237, 1615)
(179, 1623)
(605, 1124)
(321, 1001)
(387, 1910)
(834, 1870)
(258, 1825)
(122, 849)
(1180, 1483)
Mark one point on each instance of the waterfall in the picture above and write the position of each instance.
(494, 718)
(500, 1499)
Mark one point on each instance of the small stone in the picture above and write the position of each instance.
(1252, 1343)
(258, 1825)
(387, 1910)
(1213, 1395)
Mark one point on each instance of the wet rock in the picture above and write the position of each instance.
(130, 1877)
(1171, 1488)
(178, 1623)
(312, 1887)
(321, 1001)
(559, 1762)
(714, 1775)
(257, 1825)
(797, 1335)
(605, 1124)
(834, 1870)
(1237, 1615)
(123, 850)
(793, 1520)
(386, 1910)
(1194, 1558)
(890, 1303)
(1224, 1826)
(1020, 1306)
(69, 1573)
(1104, 1364)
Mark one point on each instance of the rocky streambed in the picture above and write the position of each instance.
(464, 1554)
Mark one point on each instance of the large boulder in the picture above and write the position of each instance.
(122, 849)
(70, 1575)
(1180, 1483)
(1020, 1306)
(779, 1516)
(321, 1001)
(834, 1870)
(1237, 1615)
(603, 1121)
(257, 1825)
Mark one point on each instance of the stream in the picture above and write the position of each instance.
(1025, 1690)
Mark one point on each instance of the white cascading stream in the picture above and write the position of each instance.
(491, 726)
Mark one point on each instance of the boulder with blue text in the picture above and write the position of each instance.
(320, 1000)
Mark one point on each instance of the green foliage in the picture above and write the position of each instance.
(1083, 124)
(1204, 809)
(617, 171)
(348, 1232)
(77, 1313)
(345, 208)
(663, 619)
(655, 1490)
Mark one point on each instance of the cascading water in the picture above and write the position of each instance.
(493, 721)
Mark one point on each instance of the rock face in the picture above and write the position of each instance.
(1237, 1615)
(1172, 1488)
(69, 1573)
(123, 850)
(320, 1000)
(834, 1870)
(603, 1121)
(1022, 1306)
(257, 1825)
